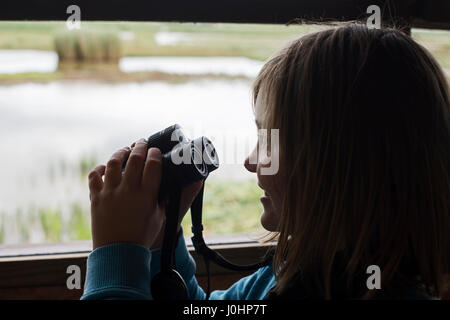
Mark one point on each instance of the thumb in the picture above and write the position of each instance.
(151, 178)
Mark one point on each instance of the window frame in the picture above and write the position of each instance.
(43, 275)
(419, 13)
(36, 273)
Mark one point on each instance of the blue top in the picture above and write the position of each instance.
(125, 270)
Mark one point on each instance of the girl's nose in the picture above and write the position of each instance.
(251, 165)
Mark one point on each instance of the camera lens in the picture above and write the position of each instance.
(185, 165)
(197, 159)
(210, 155)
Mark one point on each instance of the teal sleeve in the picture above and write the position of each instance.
(118, 271)
(252, 287)
(125, 270)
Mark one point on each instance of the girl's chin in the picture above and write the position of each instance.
(269, 220)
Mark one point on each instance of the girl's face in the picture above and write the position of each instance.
(271, 199)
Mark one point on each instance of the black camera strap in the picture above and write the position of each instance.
(170, 229)
(168, 284)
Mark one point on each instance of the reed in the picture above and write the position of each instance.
(88, 47)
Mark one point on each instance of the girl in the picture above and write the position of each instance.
(364, 158)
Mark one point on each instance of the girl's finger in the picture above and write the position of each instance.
(95, 179)
(151, 178)
(135, 164)
(113, 174)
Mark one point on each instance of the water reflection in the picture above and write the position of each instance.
(22, 61)
(230, 66)
(50, 133)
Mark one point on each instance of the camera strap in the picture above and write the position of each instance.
(170, 229)
(168, 284)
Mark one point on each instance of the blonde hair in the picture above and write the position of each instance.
(364, 128)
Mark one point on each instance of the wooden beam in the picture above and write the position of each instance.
(418, 13)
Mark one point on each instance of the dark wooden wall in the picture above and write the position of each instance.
(44, 276)
(416, 13)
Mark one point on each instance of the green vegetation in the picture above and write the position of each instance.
(88, 46)
(202, 39)
(6, 78)
(87, 164)
(437, 42)
(107, 41)
(2, 227)
(51, 223)
(81, 51)
(23, 225)
(79, 223)
(229, 207)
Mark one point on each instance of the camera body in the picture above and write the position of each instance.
(184, 161)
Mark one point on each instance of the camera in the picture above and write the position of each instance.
(184, 161)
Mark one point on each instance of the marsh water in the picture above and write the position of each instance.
(53, 133)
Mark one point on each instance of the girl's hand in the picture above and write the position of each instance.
(124, 208)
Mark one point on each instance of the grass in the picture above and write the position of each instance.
(249, 40)
(100, 41)
(252, 41)
(79, 223)
(2, 227)
(110, 75)
(229, 207)
(51, 223)
(437, 42)
(23, 225)
(205, 39)
(6, 78)
(86, 164)
(88, 46)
